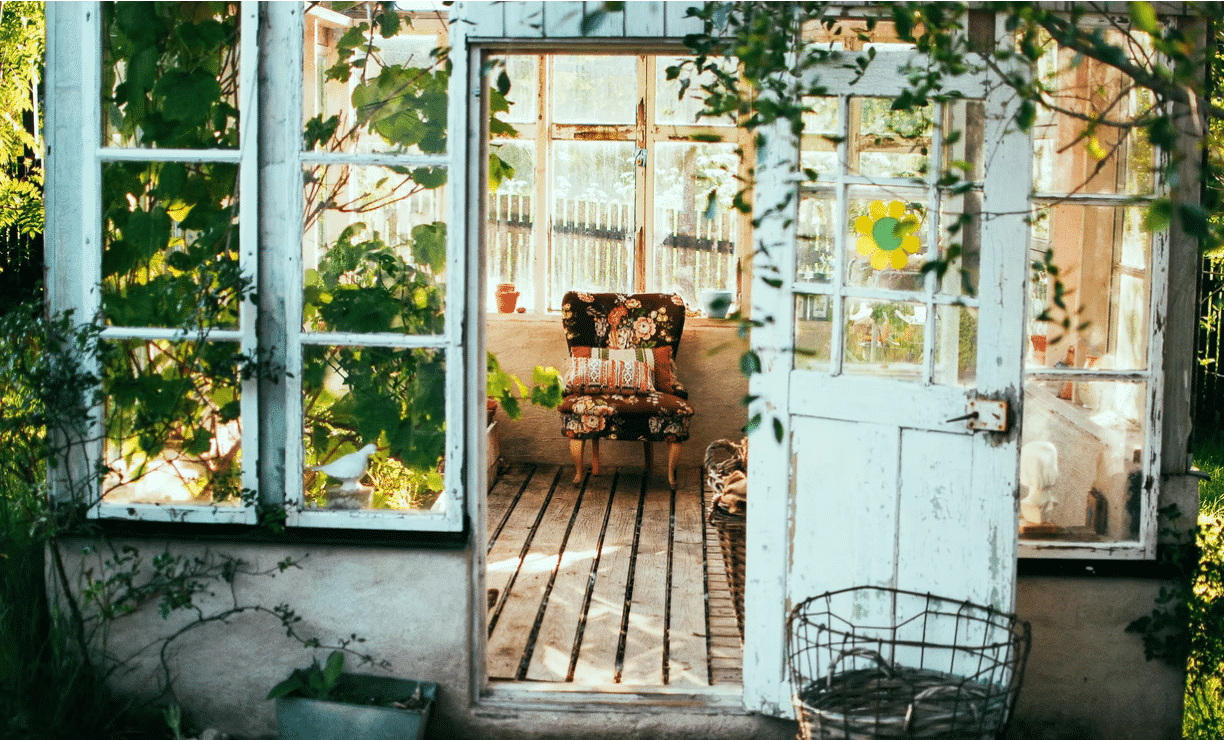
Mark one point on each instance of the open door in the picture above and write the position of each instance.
(889, 397)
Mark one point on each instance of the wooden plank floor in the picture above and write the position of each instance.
(615, 581)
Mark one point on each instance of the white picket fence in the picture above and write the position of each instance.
(592, 248)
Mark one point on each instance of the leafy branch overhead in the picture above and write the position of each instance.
(1165, 58)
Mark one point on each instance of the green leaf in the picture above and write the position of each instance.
(1026, 115)
(288, 687)
(429, 246)
(779, 432)
(1193, 219)
(1143, 17)
(331, 671)
(1158, 215)
(750, 363)
(433, 177)
(188, 96)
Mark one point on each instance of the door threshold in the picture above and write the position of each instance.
(574, 697)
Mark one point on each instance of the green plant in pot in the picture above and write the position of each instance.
(322, 702)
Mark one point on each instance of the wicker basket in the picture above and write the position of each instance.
(908, 667)
(722, 458)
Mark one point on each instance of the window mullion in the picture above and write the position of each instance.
(542, 239)
(643, 234)
(248, 233)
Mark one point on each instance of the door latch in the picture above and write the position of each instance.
(986, 414)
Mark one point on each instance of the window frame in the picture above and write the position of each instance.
(1152, 375)
(88, 298)
(270, 231)
(645, 133)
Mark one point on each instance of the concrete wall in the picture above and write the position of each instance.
(707, 364)
(1086, 679)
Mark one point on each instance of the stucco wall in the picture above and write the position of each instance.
(707, 364)
(1086, 680)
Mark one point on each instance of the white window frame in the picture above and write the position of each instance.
(543, 132)
(74, 80)
(1152, 375)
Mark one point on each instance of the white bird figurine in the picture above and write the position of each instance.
(348, 469)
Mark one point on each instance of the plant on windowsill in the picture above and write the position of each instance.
(387, 281)
(325, 703)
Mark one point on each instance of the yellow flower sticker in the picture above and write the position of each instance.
(886, 234)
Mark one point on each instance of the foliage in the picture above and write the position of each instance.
(22, 42)
(1204, 716)
(315, 682)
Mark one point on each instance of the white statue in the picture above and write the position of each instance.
(1038, 473)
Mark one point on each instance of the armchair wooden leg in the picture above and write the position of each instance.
(576, 446)
(673, 457)
(595, 456)
(649, 455)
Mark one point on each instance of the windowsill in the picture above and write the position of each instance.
(255, 534)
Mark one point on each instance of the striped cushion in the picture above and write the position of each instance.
(659, 359)
(595, 375)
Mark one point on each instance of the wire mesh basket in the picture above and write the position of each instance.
(872, 663)
(728, 515)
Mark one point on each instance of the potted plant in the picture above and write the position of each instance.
(325, 703)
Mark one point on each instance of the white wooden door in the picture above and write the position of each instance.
(858, 475)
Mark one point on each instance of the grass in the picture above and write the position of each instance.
(1204, 715)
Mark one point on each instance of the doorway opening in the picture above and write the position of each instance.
(614, 583)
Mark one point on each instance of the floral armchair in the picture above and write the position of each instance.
(620, 382)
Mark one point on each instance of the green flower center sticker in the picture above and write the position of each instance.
(887, 234)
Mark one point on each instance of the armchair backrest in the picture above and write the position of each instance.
(622, 320)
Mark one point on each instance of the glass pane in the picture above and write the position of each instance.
(172, 423)
(884, 338)
(371, 91)
(962, 248)
(170, 245)
(1081, 460)
(390, 399)
(818, 147)
(814, 258)
(888, 143)
(163, 89)
(524, 95)
(956, 329)
(964, 122)
(1095, 260)
(886, 242)
(593, 191)
(510, 231)
(695, 224)
(1072, 155)
(594, 89)
(374, 250)
(813, 332)
(671, 109)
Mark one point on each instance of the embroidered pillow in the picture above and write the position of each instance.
(658, 359)
(598, 375)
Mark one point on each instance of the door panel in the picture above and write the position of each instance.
(845, 508)
(882, 486)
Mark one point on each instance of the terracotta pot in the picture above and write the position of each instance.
(506, 301)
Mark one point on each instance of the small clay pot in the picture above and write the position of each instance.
(506, 300)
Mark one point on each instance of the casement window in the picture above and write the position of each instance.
(614, 183)
(1090, 454)
(277, 290)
